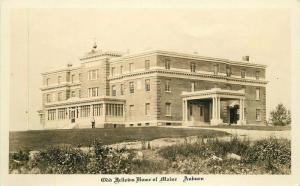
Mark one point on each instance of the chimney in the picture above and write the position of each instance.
(246, 58)
(69, 65)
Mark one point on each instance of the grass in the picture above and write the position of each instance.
(251, 127)
(37, 140)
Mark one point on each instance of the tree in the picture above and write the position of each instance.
(280, 116)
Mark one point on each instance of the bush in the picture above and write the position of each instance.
(268, 156)
(69, 160)
(273, 154)
(281, 116)
(62, 160)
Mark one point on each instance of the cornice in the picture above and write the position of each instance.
(67, 85)
(191, 74)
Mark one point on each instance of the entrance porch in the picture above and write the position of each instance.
(213, 107)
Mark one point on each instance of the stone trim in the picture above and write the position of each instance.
(211, 77)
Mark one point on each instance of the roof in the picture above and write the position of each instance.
(188, 56)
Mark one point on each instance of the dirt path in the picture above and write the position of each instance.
(254, 134)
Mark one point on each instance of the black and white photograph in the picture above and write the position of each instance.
(183, 93)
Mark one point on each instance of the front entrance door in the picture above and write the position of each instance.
(72, 115)
(201, 113)
(233, 115)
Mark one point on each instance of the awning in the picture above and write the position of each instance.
(234, 103)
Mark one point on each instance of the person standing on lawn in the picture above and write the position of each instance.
(93, 122)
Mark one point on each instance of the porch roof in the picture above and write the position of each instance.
(76, 100)
(214, 92)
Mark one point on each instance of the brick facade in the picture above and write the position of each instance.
(147, 105)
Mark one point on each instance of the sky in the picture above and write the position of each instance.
(44, 39)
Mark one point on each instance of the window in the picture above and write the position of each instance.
(122, 89)
(139, 124)
(73, 93)
(112, 71)
(216, 69)
(167, 86)
(191, 110)
(130, 67)
(59, 80)
(80, 77)
(193, 67)
(147, 84)
(93, 74)
(47, 81)
(121, 69)
(228, 71)
(48, 98)
(93, 92)
(72, 78)
(59, 96)
(168, 109)
(51, 114)
(147, 109)
(85, 111)
(147, 124)
(192, 86)
(167, 64)
(61, 113)
(258, 115)
(113, 90)
(131, 125)
(243, 73)
(147, 64)
(131, 109)
(257, 74)
(97, 109)
(131, 87)
(53, 97)
(257, 93)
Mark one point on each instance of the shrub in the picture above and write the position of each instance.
(280, 116)
(62, 160)
(272, 154)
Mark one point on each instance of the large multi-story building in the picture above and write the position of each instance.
(153, 88)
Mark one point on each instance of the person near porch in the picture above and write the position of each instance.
(93, 122)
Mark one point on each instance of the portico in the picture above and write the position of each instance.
(212, 104)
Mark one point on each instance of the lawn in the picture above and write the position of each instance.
(37, 140)
(251, 127)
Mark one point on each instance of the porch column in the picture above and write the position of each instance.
(216, 119)
(104, 111)
(242, 114)
(244, 111)
(183, 110)
(214, 108)
(91, 111)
